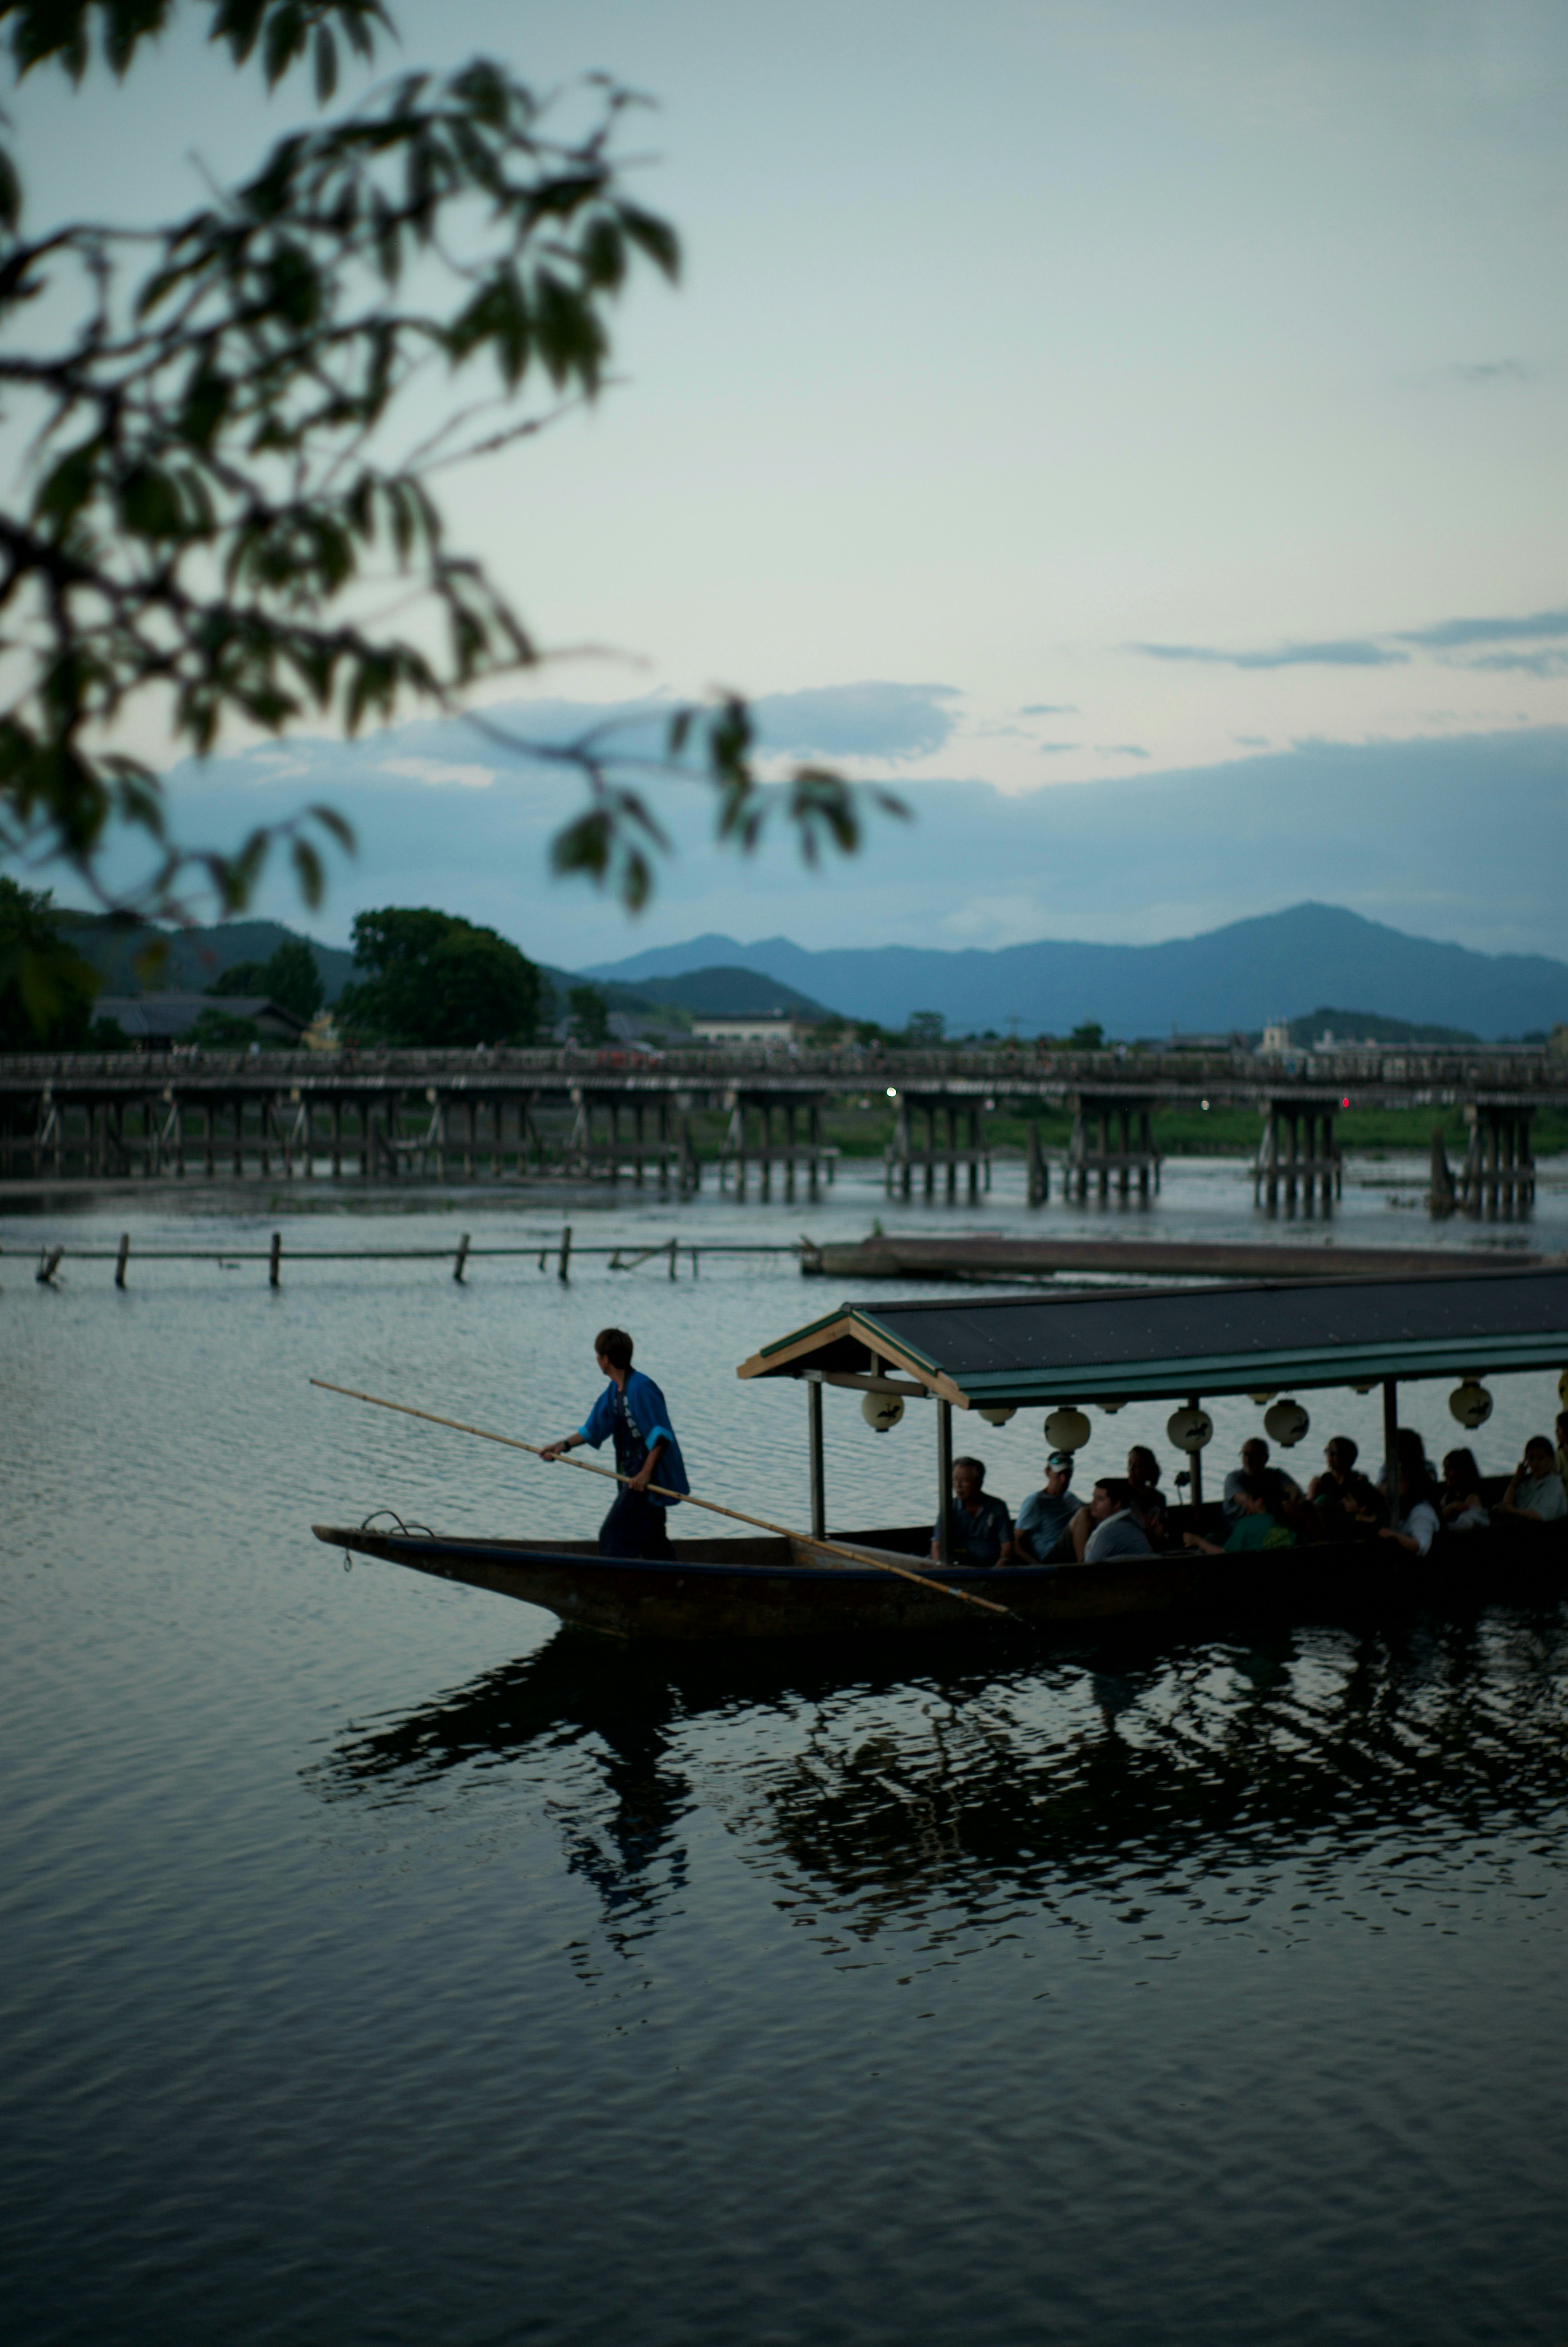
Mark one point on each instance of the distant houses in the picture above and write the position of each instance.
(764, 1031)
(165, 1018)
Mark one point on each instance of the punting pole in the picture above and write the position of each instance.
(1195, 1461)
(944, 1482)
(713, 1507)
(1391, 1444)
(818, 1472)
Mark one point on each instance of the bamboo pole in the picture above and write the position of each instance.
(759, 1523)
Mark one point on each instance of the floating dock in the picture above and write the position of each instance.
(919, 1256)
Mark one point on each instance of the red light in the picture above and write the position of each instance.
(1345, 1101)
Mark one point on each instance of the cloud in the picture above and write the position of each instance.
(1493, 371)
(1349, 651)
(437, 770)
(857, 720)
(1054, 749)
(1049, 709)
(1451, 635)
(1119, 749)
(1251, 740)
(1522, 663)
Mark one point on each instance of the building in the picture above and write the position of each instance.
(165, 1018)
(766, 1030)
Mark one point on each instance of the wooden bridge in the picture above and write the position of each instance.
(504, 1115)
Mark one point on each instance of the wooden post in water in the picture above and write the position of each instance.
(122, 1258)
(274, 1276)
(565, 1271)
(462, 1259)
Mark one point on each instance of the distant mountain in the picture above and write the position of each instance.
(193, 958)
(726, 991)
(1275, 967)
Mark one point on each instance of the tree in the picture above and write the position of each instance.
(590, 1014)
(47, 988)
(1090, 1037)
(222, 469)
(925, 1029)
(290, 976)
(438, 980)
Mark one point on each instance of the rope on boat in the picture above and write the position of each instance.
(714, 1507)
(407, 1530)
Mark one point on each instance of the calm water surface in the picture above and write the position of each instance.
(383, 1965)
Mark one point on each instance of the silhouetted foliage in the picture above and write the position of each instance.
(221, 464)
(289, 976)
(47, 988)
(590, 1015)
(436, 980)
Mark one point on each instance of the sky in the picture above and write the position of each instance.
(1058, 398)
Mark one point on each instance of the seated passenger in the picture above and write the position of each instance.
(1563, 1446)
(1415, 1526)
(1256, 1525)
(1284, 1491)
(1535, 1490)
(980, 1526)
(1347, 1505)
(1143, 1474)
(1414, 1467)
(1110, 1525)
(1459, 1503)
(1045, 1513)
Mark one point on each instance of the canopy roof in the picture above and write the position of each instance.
(1153, 1344)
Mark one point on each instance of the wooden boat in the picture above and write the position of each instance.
(1000, 1353)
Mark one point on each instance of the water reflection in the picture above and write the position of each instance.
(906, 1786)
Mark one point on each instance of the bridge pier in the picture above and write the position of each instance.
(1499, 1171)
(1093, 1154)
(1297, 1152)
(904, 1152)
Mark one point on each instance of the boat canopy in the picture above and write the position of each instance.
(1158, 1343)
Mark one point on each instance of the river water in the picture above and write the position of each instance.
(383, 1965)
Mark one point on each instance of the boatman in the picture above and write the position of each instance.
(631, 1413)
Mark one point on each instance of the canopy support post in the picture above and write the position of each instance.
(944, 1482)
(1391, 1445)
(818, 1481)
(1196, 1461)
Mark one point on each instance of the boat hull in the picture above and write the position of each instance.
(787, 1588)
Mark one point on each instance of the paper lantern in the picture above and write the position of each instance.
(1266, 1395)
(1470, 1403)
(1563, 1388)
(1285, 1424)
(1190, 1430)
(881, 1411)
(1067, 1428)
(1109, 1408)
(999, 1416)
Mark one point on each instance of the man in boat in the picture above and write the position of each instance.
(1045, 1513)
(1256, 1525)
(1111, 1525)
(1284, 1493)
(632, 1413)
(980, 1525)
(1535, 1489)
(1349, 1507)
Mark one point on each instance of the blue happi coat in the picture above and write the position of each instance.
(646, 1421)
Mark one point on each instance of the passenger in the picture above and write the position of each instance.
(1535, 1490)
(1459, 1503)
(980, 1526)
(1284, 1491)
(1045, 1513)
(1417, 1526)
(1143, 1474)
(631, 1411)
(1563, 1446)
(1255, 1526)
(1347, 1505)
(1414, 1467)
(1110, 1525)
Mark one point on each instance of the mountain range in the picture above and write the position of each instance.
(1275, 967)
